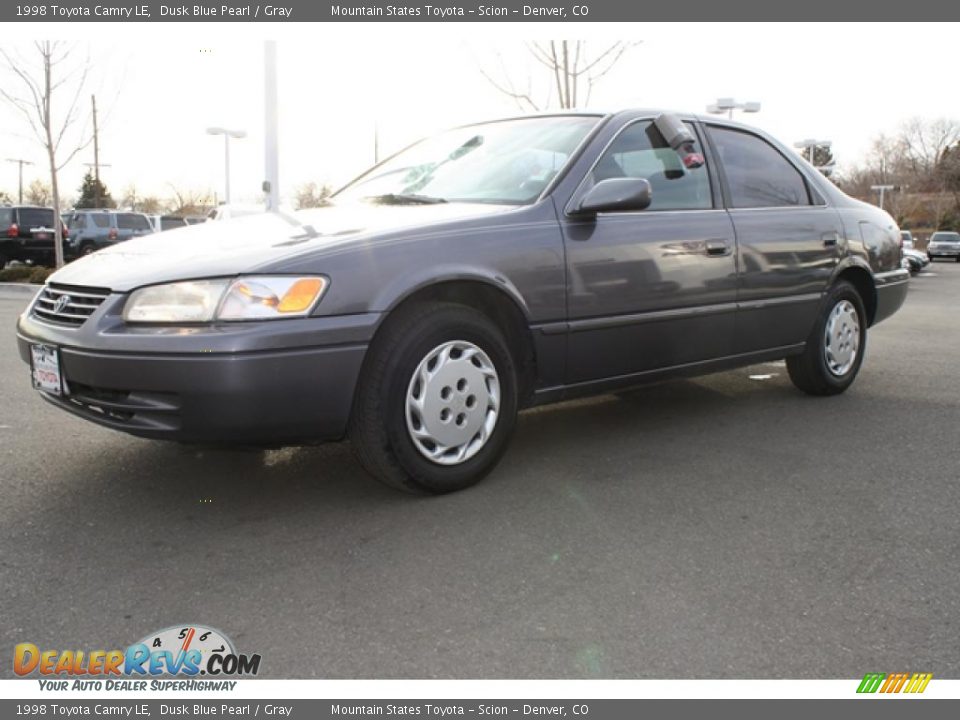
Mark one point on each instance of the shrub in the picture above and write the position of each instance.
(39, 275)
(16, 273)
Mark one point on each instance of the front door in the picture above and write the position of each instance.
(655, 288)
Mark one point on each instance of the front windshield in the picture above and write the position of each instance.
(508, 162)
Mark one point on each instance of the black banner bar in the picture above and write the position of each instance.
(853, 709)
(855, 11)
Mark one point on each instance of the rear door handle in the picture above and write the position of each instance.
(718, 247)
(830, 239)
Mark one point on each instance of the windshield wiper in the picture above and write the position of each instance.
(405, 199)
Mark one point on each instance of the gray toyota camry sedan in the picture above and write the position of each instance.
(488, 269)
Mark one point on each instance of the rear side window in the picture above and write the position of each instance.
(6, 217)
(757, 174)
(130, 221)
(640, 152)
(36, 217)
(101, 220)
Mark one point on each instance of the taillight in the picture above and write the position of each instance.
(13, 230)
(66, 232)
(113, 233)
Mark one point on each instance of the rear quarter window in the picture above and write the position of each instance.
(131, 221)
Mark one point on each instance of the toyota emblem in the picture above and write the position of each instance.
(61, 303)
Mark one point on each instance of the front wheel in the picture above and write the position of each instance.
(834, 351)
(437, 400)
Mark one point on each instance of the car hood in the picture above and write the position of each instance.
(248, 244)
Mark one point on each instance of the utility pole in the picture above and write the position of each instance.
(21, 162)
(96, 154)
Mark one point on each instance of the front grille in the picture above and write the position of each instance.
(68, 305)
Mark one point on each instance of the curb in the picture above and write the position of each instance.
(18, 289)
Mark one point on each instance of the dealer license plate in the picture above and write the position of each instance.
(46, 369)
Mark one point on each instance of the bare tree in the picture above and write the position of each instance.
(572, 71)
(311, 195)
(190, 202)
(38, 193)
(924, 143)
(149, 204)
(40, 88)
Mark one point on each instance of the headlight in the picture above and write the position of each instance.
(245, 298)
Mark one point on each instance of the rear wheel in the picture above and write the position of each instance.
(437, 400)
(87, 249)
(834, 351)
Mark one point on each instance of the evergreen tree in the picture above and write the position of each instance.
(88, 194)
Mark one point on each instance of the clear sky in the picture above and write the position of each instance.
(158, 88)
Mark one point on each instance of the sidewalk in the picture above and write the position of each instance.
(10, 289)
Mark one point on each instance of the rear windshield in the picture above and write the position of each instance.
(946, 237)
(75, 221)
(36, 217)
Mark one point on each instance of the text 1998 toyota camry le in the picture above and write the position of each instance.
(491, 268)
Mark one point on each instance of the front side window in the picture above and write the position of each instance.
(757, 174)
(641, 152)
(508, 162)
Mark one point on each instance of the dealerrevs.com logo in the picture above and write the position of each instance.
(186, 652)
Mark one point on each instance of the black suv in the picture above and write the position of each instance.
(27, 235)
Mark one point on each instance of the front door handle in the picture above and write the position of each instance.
(717, 248)
(831, 239)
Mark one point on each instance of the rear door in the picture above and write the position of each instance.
(788, 240)
(654, 288)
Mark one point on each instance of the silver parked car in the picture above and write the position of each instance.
(944, 244)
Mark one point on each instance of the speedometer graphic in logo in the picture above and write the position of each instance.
(181, 639)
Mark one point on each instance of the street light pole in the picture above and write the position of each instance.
(271, 185)
(882, 190)
(809, 147)
(227, 134)
(728, 105)
(21, 162)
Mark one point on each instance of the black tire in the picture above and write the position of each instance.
(87, 249)
(809, 370)
(3, 261)
(378, 423)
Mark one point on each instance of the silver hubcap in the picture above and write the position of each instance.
(841, 339)
(453, 401)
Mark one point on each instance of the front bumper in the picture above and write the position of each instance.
(260, 383)
(953, 252)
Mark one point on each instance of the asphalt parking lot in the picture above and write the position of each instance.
(723, 527)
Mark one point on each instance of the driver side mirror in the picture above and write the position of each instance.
(616, 195)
